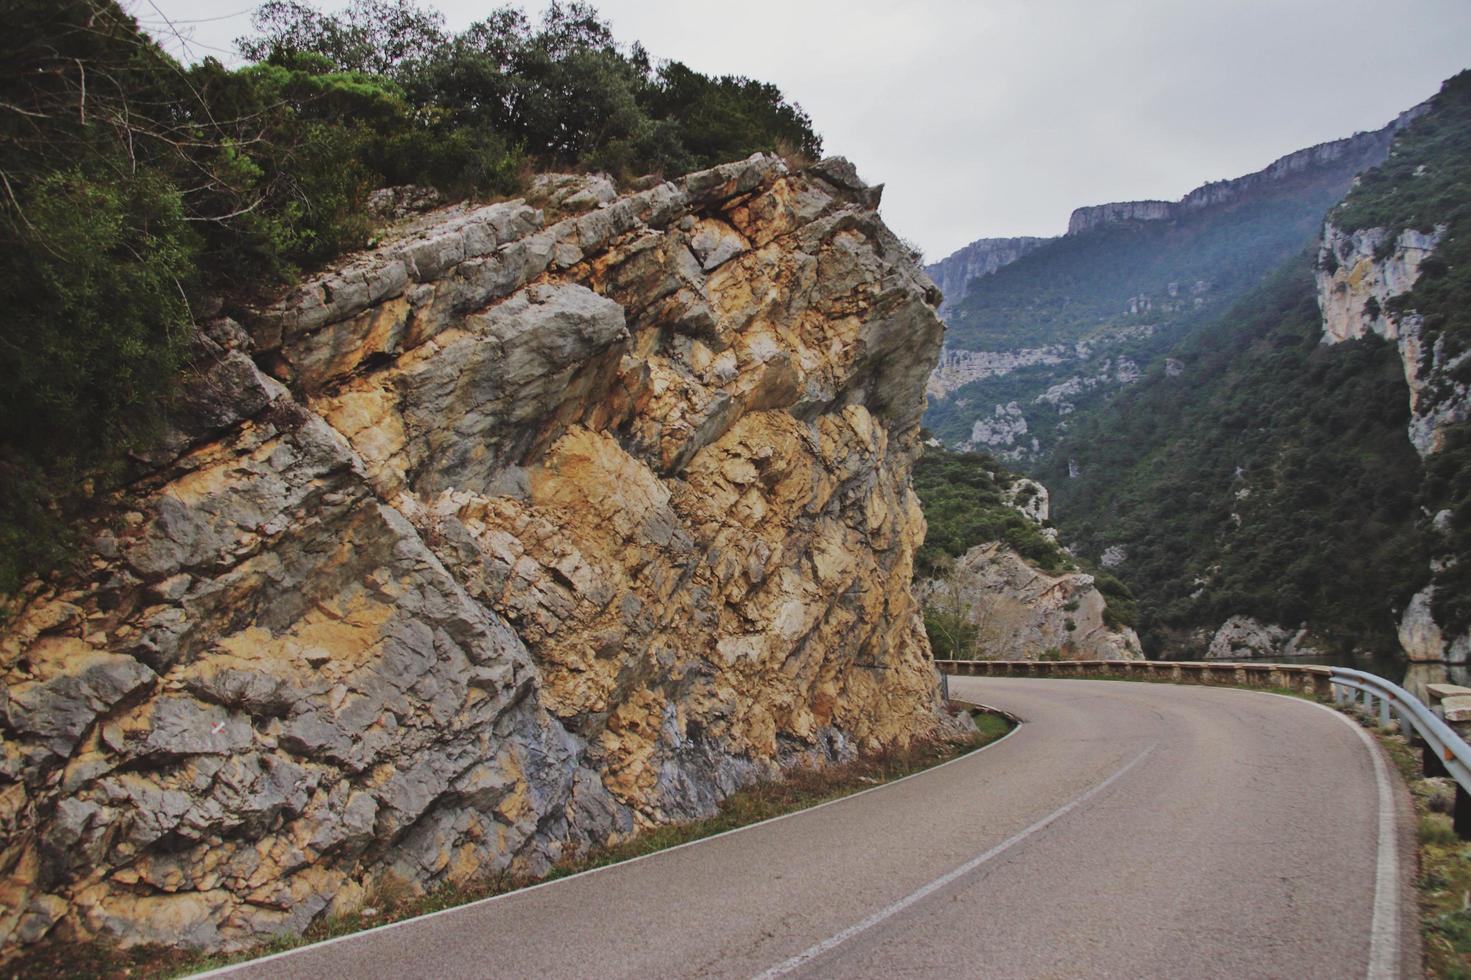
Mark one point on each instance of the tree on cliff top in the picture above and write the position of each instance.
(134, 189)
(563, 89)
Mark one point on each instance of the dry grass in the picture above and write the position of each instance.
(793, 155)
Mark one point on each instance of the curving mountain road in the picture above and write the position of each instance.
(1125, 830)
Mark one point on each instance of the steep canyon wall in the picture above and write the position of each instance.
(542, 522)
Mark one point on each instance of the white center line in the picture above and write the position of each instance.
(812, 952)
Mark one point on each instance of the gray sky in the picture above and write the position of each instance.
(998, 117)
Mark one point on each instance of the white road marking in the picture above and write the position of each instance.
(812, 952)
(653, 855)
(1384, 926)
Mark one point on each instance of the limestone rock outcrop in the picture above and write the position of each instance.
(1245, 638)
(542, 522)
(1423, 640)
(1358, 276)
(1019, 611)
(1023, 613)
(1086, 219)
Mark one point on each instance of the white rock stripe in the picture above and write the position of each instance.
(812, 952)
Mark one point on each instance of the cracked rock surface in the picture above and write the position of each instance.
(540, 523)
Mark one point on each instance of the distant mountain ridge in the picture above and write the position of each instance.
(980, 258)
(1038, 330)
(1216, 193)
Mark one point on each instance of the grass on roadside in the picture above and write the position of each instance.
(392, 901)
(1444, 878)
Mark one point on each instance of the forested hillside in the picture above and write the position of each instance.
(1272, 474)
(1426, 186)
(140, 194)
(1085, 313)
(1271, 478)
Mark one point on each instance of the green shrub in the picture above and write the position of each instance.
(94, 289)
(136, 187)
(964, 505)
(1272, 478)
(952, 637)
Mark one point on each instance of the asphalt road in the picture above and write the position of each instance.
(1125, 830)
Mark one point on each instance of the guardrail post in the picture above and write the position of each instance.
(1461, 815)
(945, 687)
(1430, 763)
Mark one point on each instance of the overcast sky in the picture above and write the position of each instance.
(998, 117)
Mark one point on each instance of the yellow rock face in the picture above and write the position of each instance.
(546, 533)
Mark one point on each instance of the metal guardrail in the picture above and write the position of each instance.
(1444, 752)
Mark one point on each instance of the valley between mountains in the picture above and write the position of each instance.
(1248, 407)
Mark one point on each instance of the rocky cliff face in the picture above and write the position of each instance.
(1245, 638)
(1023, 613)
(540, 523)
(1359, 274)
(1086, 219)
(980, 258)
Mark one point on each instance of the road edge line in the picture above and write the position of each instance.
(837, 939)
(1386, 920)
(1385, 923)
(220, 971)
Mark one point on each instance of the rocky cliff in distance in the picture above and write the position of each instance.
(1048, 336)
(996, 585)
(1359, 276)
(954, 273)
(545, 521)
(1085, 219)
(1356, 151)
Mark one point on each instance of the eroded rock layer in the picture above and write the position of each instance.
(1020, 612)
(542, 522)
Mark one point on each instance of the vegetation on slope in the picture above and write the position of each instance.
(136, 191)
(1271, 478)
(965, 504)
(1172, 276)
(1426, 183)
(951, 418)
(965, 498)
